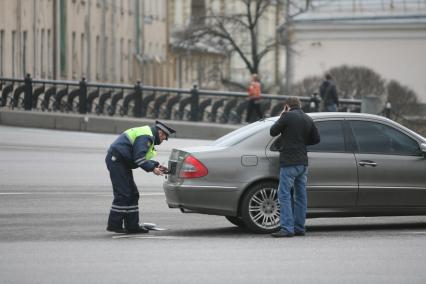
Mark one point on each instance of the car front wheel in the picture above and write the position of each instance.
(260, 208)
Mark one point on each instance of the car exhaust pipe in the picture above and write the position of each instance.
(184, 210)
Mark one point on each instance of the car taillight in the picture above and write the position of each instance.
(192, 168)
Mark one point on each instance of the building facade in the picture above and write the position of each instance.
(70, 39)
(386, 36)
(155, 62)
(122, 41)
(197, 64)
(207, 66)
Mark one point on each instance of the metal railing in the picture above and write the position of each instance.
(142, 101)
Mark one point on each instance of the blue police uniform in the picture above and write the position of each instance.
(132, 149)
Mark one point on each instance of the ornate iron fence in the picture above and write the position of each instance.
(142, 101)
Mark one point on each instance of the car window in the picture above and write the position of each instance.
(373, 137)
(240, 134)
(332, 137)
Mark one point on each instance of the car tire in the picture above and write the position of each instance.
(260, 209)
(237, 221)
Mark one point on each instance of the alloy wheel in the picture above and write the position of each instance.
(263, 208)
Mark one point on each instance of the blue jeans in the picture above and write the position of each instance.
(331, 108)
(293, 180)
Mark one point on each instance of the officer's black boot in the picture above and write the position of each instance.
(116, 230)
(131, 223)
(138, 230)
(115, 222)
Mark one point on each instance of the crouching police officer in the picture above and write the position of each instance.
(132, 149)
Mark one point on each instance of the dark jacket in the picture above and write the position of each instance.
(129, 154)
(328, 93)
(297, 130)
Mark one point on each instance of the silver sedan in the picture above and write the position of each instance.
(365, 165)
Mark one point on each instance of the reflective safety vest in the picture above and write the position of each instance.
(134, 133)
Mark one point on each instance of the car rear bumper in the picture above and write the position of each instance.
(218, 200)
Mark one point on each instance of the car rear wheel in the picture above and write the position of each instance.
(237, 221)
(260, 208)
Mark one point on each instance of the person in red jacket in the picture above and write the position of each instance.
(254, 99)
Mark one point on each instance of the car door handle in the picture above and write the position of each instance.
(367, 163)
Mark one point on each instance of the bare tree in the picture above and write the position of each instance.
(403, 100)
(237, 31)
(351, 81)
(357, 81)
(307, 87)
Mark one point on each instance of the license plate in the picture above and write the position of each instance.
(172, 167)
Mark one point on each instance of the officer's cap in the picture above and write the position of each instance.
(166, 129)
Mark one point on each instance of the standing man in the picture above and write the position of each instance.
(132, 149)
(254, 99)
(328, 93)
(297, 131)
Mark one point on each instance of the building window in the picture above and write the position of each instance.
(98, 58)
(194, 62)
(163, 10)
(13, 53)
(1, 52)
(42, 70)
(122, 59)
(186, 67)
(105, 59)
(83, 55)
(129, 62)
(24, 52)
(74, 55)
(63, 37)
(49, 55)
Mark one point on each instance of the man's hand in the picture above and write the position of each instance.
(286, 109)
(157, 171)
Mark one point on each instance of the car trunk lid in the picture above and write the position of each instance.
(178, 156)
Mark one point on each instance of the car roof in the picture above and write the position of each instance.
(317, 115)
(356, 115)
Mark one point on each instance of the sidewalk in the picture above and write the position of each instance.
(107, 124)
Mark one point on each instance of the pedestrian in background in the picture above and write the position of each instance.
(328, 94)
(297, 130)
(253, 105)
(132, 149)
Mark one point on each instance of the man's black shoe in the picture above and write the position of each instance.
(299, 234)
(116, 230)
(282, 234)
(138, 230)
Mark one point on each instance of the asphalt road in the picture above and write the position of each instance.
(55, 196)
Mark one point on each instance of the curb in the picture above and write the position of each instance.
(105, 124)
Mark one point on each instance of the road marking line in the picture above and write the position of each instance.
(14, 193)
(415, 233)
(147, 237)
(74, 193)
(152, 193)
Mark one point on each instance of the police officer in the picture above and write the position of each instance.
(132, 149)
